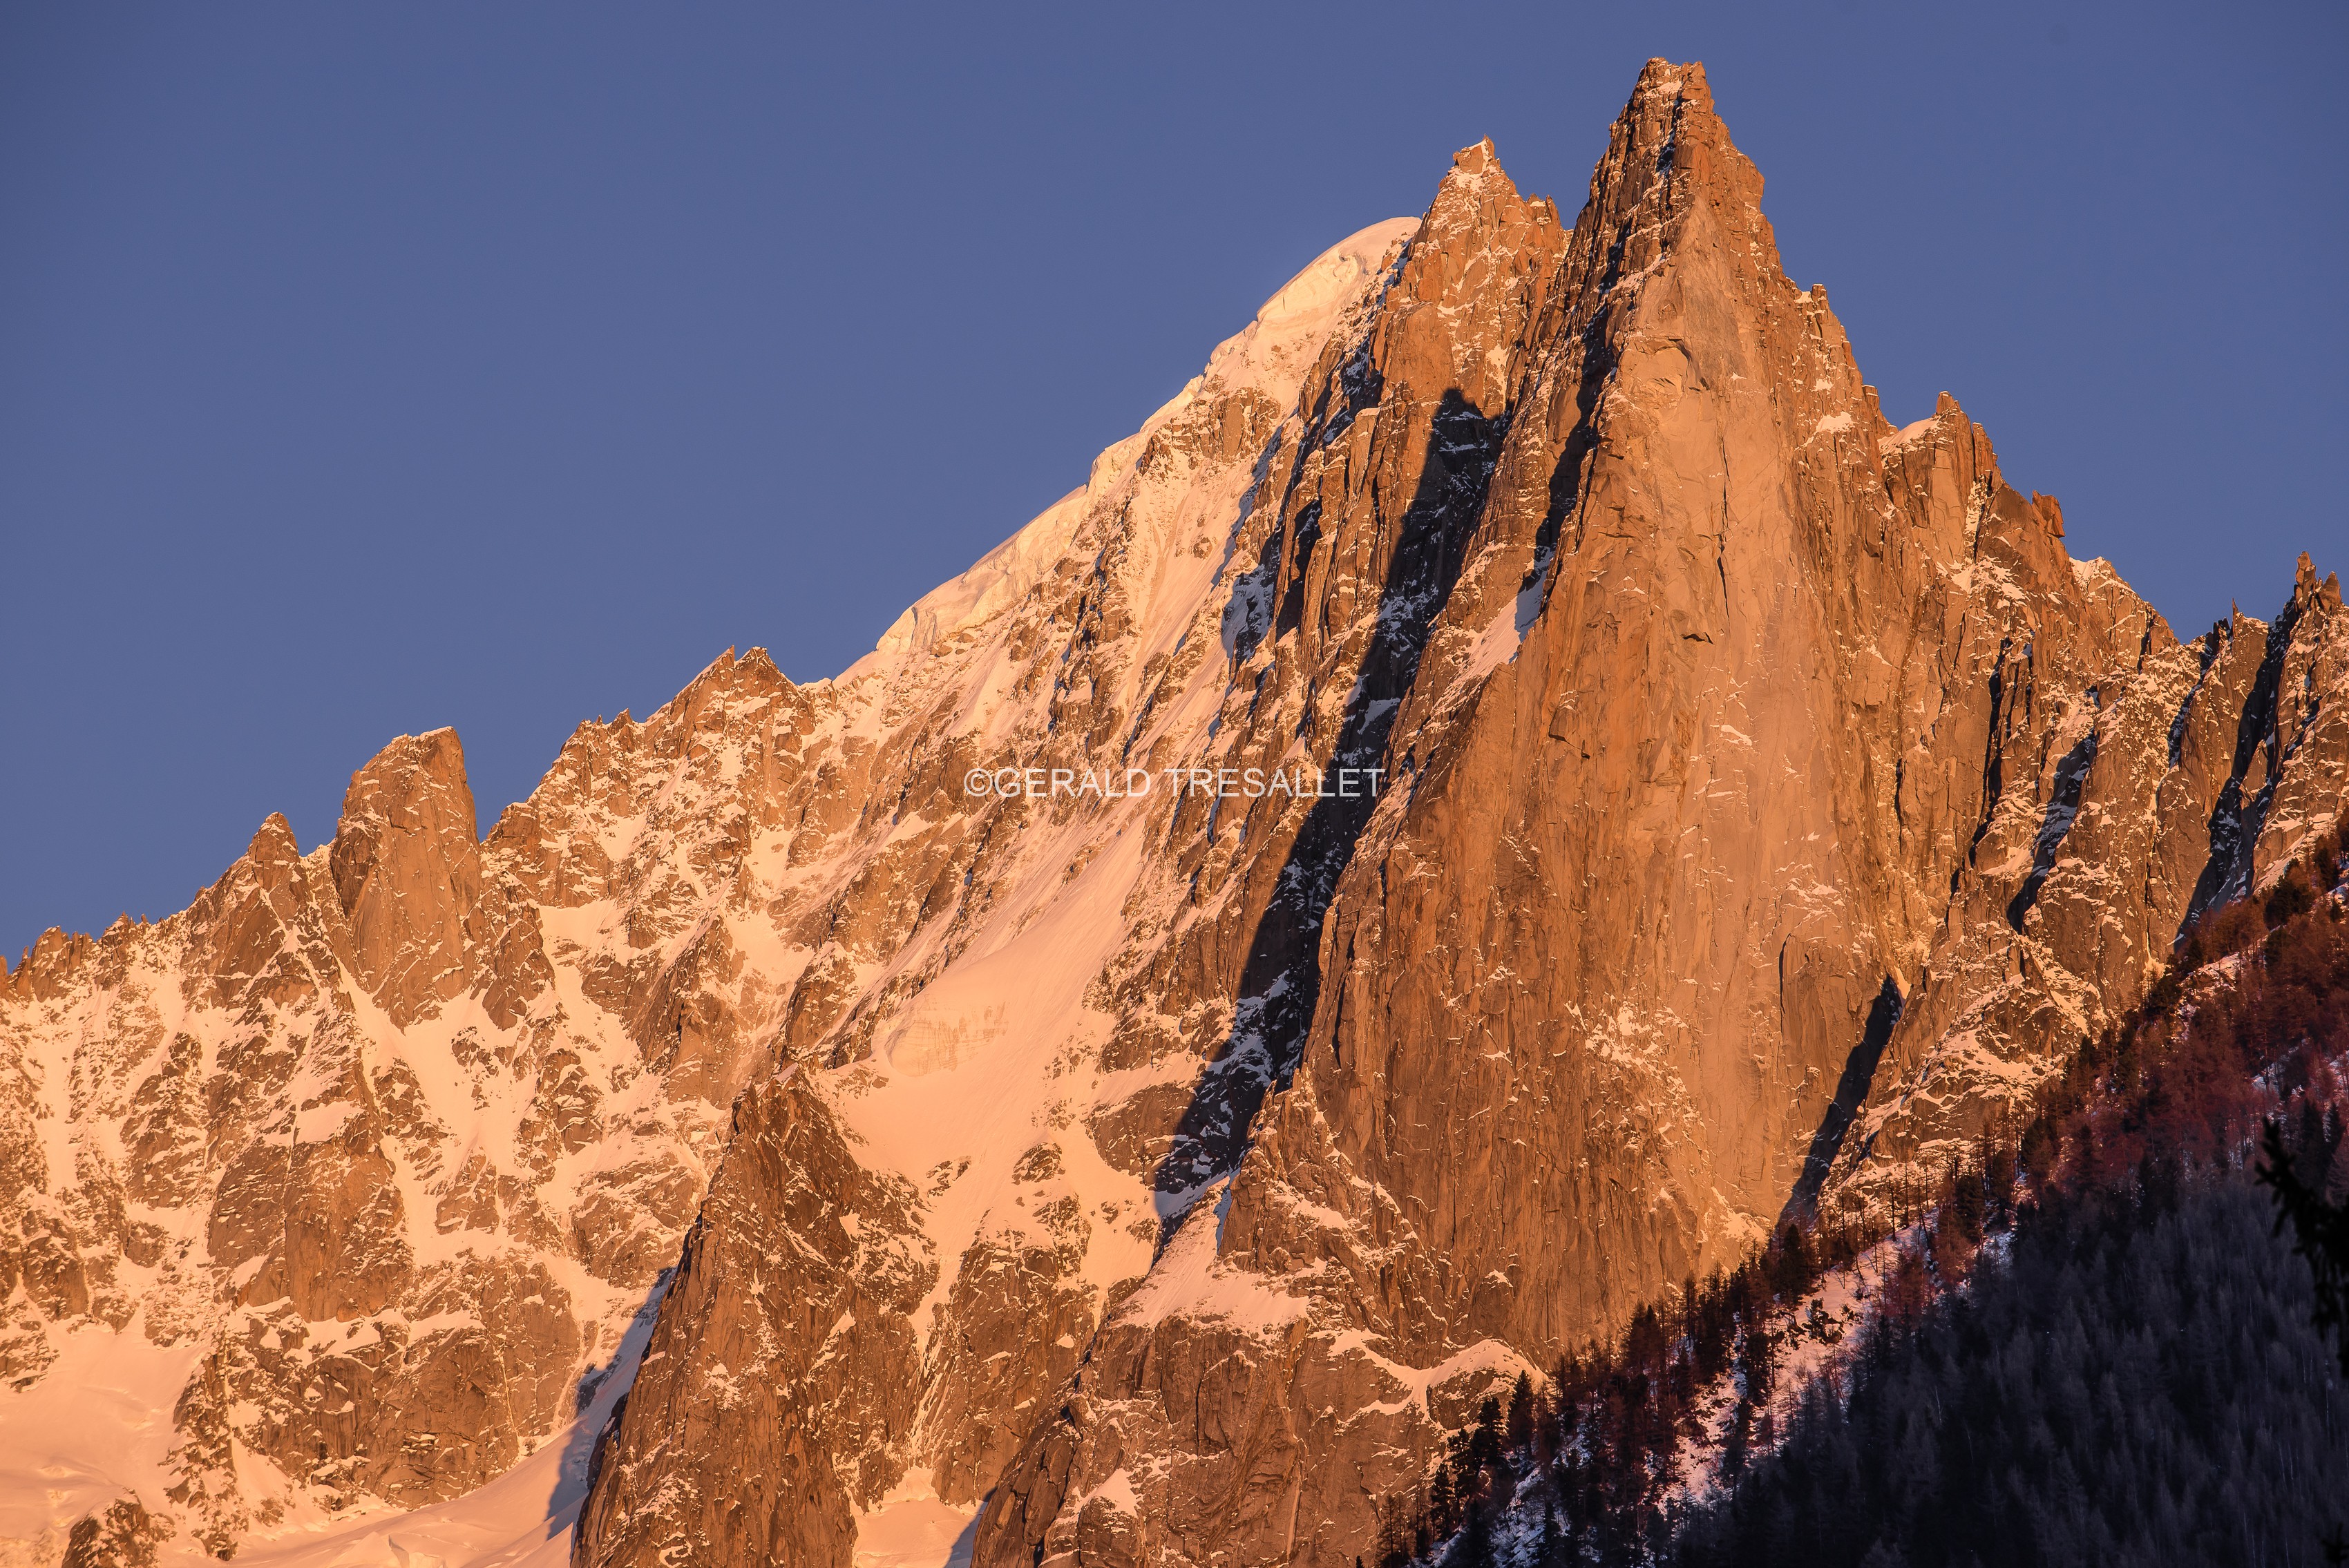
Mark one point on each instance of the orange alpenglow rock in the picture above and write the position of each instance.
(1770, 800)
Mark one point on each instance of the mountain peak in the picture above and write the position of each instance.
(1667, 154)
(1476, 157)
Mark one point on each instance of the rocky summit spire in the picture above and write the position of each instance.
(1727, 752)
(407, 873)
(1605, 790)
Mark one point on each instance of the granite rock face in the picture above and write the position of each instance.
(1517, 782)
(1818, 804)
(792, 1320)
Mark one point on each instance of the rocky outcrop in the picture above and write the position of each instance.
(401, 1162)
(406, 864)
(1604, 791)
(124, 1536)
(795, 1323)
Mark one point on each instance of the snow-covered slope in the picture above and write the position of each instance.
(345, 1182)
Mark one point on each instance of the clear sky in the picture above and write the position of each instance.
(368, 368)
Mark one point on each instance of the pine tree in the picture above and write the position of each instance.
(1755, 1362)
(2320, 1234)
(1474, 1549)
(1484, 1443)
(1969, 1203)
(1734, 1447)
(1521, 1413)
(1551, 1552)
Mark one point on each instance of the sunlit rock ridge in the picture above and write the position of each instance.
(1767, 800)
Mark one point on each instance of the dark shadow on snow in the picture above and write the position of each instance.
(1851, 1093)
(2235, 822)
(597, 1401)
(2063, 806)
(1280, 980)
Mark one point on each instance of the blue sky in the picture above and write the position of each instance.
(365, 369)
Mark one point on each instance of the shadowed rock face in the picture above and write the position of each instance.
(806, 1337)
(1765, 799)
